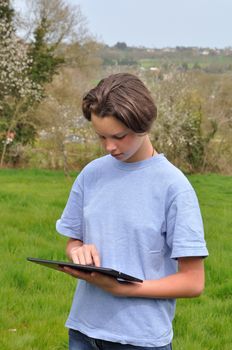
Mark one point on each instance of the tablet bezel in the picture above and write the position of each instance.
(56, 264)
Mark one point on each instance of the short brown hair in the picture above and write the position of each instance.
(125, 97)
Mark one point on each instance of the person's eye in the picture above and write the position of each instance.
(119, 137)
(101, 137)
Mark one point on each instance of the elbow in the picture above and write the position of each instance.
(197, 290)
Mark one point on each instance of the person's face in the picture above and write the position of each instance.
(121, 142)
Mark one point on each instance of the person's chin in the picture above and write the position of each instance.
(119, 156)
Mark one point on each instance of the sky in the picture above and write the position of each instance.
(158, 23)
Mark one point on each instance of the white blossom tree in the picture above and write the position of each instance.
(18, 93)
(27, 66)
(178, 129)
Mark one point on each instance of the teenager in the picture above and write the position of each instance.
(131, 210)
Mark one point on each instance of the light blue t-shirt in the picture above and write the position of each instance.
(140, 216)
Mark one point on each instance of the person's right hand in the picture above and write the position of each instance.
(85, 254)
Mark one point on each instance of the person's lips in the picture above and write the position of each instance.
(116, 155)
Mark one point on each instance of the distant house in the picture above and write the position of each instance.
(155, 69)
(205, 53)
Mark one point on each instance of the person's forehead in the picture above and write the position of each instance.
(108, 125)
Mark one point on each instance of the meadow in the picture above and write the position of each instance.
(35, 301)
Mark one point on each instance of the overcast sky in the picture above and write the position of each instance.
(159, 23)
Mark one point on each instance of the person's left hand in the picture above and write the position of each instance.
(107, 283)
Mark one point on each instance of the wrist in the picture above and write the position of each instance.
(128, 289)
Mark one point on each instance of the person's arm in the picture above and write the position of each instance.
(186, 283)
(79, 253)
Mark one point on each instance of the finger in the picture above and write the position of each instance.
(96, 257)
(87, 255)
(75, 259)
(81, 257)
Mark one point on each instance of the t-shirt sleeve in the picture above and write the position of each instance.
(71, 222)
(185, 232)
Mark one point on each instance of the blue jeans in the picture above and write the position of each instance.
(80, 341)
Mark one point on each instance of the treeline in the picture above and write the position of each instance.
(45, 72)
(183, 58)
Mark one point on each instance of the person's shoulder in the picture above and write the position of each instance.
(175, 180)
(95, 168)
(96, 164)
(92, 171)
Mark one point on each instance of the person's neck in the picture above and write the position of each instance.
(146, 151)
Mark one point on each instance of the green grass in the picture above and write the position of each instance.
(35, 301)
(204, 323)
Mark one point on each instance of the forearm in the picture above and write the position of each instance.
(188, 282)
(174, 286)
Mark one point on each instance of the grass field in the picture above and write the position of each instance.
(219, 61)
(35, 301)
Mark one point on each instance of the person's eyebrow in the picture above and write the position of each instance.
(120, 134)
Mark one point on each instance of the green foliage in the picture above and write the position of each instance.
(6, 11)
(121, 45)
(31, 70)
(35, 301)
(44, 61)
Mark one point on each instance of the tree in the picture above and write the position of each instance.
(177, 131)
(64, 23)
(216, 92)
(120, 45)
(31, 65)
(45, 62)
(18, 93)
(194, 121)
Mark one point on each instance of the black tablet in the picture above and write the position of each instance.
(87, 268)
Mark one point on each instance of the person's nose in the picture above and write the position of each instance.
(110, 145)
